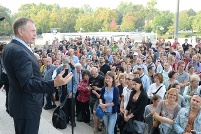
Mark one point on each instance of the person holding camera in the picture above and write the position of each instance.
(188, 120)
(68, 90)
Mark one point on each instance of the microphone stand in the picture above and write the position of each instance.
(72, 104)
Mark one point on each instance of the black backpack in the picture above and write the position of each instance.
(59, 117)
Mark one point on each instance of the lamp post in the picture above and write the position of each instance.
(176, 21)
(161, 28)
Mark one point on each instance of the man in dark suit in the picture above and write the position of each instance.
(26, 87)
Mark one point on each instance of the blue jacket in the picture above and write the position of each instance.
(49, 72)
(69, 84)
(182, 121)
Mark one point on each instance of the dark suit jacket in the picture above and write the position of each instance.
(25, 99)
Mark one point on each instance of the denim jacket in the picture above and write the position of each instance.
(69, 84)
(182, 121)
(48, 72)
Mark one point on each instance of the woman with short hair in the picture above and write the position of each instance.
(192, 88)
(167, 111)
(172, 79)
(157, 87)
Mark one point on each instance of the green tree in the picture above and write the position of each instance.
(122, 9)
(191, 12)
(165, 19)
(148, 28)
(84, 21)
(196, 23)
(86, 9)
(5, 25)
(128, 22)
(105, 17)
(68, 17)
(184, 21)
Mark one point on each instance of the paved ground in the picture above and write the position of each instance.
(46, 127)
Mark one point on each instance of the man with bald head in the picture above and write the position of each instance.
(72, 55)
(96, 82)
(188, 120)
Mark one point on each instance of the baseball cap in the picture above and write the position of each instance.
(141, 66)
(135, 53)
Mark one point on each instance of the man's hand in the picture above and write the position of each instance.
(59, 80)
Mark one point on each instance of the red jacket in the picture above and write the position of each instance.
(83, 92)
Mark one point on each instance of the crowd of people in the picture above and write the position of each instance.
(129, 80)
(153, 83)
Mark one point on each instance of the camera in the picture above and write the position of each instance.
(193, 132)
(65, 74)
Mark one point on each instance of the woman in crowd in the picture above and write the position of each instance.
(192, 88)
(191, 70)
(181, 100)
(109, 97)
(94, 58)
(172, 79)
(122, 83)
(150, 110)
(171, 60)
(157, 87)
(137, 102)
(83, 96)
(167, 111)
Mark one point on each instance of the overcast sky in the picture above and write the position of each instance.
(13, 5)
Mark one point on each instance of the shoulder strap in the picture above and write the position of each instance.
(142, 76)
(158, 89)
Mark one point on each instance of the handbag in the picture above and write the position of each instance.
(81, 116)
(156, 123)
(140, 127)
(59, 117)
(135, 127)
(99, 112)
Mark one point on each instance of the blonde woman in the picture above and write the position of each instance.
(121, 82)
(167, 111)
(172, 62)
(192, 88)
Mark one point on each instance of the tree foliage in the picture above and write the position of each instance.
(5, 25)
(126, 17)
(164, 20)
